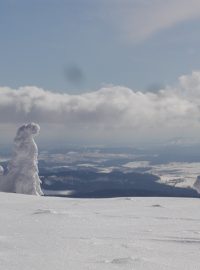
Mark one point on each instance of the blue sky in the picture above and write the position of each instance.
(133, 65)
(138, 44)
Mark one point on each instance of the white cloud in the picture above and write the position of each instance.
(138, 20)
(113, 111)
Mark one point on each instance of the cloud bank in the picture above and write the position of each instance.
(116, 110)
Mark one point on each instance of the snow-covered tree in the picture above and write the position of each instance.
(197, 184)
(22, 175)
(1, 170)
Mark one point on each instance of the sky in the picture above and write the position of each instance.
(100, 71)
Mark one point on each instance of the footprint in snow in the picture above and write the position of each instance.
(44, 211)
(122, 261)
(49, 211)
(156, 205)
(127, 260)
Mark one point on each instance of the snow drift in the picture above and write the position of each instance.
(22, 175)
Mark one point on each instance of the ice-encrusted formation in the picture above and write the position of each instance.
(1, 170)
(197, 185)
(22, 175)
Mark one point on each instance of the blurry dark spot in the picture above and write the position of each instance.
(156, 205)
(74, 74)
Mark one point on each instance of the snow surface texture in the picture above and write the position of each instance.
(22, 175)
(94, 234)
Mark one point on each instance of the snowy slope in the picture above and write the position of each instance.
(39, 233)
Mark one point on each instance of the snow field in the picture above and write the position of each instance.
(122, 233)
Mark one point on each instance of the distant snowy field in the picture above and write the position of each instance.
(78, 234)
(179, 174)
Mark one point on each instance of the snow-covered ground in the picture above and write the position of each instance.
(78, 234)
(179, 174)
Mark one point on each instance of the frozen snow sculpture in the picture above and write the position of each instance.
(22, 175)
(1, 170)
(197, 184)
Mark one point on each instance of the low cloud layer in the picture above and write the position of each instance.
(115, 110)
